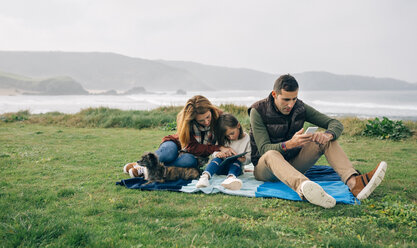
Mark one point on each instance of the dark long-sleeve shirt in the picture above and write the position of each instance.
(313, 116)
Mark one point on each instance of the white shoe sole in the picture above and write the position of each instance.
(374, 182)
(235, 185)
(202, 185)
(316, 195)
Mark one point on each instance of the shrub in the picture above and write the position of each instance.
(171, 126)
(386, 129)
(14, 117)
(353, 126)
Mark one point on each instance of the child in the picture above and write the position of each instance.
(229, 132)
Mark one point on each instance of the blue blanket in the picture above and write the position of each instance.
(139, 183)
(323, 175)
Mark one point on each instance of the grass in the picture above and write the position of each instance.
(58, 189)
(99, 117)
(161, 117)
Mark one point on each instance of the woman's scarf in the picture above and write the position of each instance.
(203, 134)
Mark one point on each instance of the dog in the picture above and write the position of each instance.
(157, 172)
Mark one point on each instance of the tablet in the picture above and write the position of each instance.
(234, 157)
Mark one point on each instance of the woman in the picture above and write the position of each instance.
(194, 139)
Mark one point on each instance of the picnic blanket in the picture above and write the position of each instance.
(325, 176)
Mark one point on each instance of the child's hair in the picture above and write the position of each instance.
(224, 122)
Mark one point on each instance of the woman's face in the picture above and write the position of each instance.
(204, 119)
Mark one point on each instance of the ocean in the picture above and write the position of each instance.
(363, 104)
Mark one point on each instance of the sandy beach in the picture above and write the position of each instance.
(10, 92)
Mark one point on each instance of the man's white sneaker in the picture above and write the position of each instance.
(203, 181)
(232, 183)
(316, 195)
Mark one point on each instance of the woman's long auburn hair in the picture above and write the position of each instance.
(196, 105)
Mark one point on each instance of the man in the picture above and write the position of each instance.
(282, 152)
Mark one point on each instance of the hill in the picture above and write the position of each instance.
(109, 71)
(100, 71)
(48, 86)
(325, 80)
(240, 78)
(226, 78)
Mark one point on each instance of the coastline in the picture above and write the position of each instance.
(401, 105)
(11, 92)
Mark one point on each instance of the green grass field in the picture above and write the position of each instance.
(58, 190)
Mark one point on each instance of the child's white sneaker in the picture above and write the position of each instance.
(316, 195)
(203, 181)
(232, 183)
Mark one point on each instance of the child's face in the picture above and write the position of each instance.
(232, 133)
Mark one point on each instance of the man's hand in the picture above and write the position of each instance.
(227, 151)
(322, 138)
(299, 139)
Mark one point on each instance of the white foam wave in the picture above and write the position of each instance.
(364, 105)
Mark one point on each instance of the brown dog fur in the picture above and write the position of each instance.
(157, 172)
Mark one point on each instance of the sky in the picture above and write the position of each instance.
(375, 38)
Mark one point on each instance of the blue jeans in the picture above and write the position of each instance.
(232, 168)
(168, 154)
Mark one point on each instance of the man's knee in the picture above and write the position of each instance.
(270, 159)
(264, 169)
(328, 145)
(271, 155)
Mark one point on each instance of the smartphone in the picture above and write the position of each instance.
(311, 130)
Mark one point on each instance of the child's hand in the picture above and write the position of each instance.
(220, 155)
(242, 159)
(227, 151)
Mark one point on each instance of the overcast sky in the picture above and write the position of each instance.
(373, 38)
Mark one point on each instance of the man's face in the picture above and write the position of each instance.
(285, 100)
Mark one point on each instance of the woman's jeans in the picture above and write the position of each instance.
(168, 154)
(232, 168)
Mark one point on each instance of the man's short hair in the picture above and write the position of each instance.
(285, 82)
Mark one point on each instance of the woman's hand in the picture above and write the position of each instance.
(227, 151)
